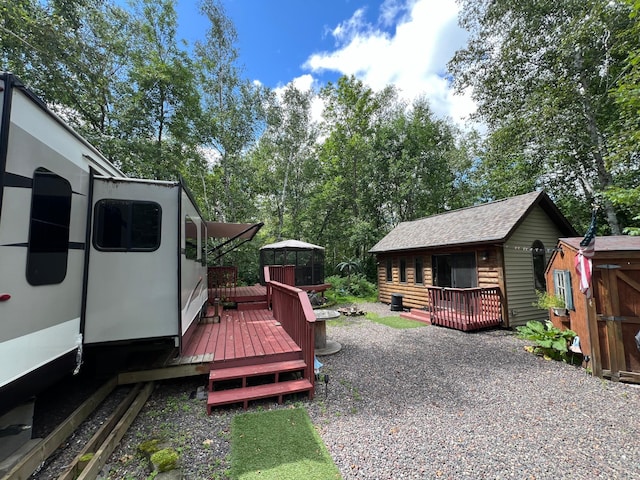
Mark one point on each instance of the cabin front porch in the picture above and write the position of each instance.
(463, 309)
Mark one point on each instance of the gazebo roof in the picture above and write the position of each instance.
(291, 244)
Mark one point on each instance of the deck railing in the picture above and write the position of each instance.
(292, 308)
(222, 282)
(465, 308)
(278, 273)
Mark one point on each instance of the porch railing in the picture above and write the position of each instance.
(222, 282)
(278, 273)
(465, 308)
(292, 308)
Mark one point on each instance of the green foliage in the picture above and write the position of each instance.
(555, 64)
(279, 444)
(546, 301)
(550, 341)
(165, 460)
(344, 290)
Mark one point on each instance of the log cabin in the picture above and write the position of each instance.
(473, 267)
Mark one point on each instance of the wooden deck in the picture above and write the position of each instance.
(253, 293)
(240, 338)
(244, 350)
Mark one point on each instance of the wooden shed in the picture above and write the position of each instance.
(608, 323)
(473, 267)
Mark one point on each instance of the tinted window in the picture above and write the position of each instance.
(191, 239)
(389, 270)
(127, 226)
(539, 263)
(403, 270)
(48, 228)
(418, 268)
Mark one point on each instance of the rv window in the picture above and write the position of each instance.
(191, 239)
(48, 229)
(126, 226)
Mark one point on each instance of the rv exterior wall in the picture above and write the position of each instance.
(132, 293)
(193, 269)
(40, 323)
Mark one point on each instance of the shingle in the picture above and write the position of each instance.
(482, 223)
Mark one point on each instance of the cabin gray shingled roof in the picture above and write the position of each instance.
(489, 222)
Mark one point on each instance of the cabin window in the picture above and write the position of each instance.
(126, 226)
(418, 269)
(403, 270)
(457, 270)
(48, 247)
(389, 269)
(562, 287)
(191, 239)
(539, 263)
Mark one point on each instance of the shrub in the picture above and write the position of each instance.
(357, 286)
(546, 301)
(550, 341)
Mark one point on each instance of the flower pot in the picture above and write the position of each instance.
(560, 312)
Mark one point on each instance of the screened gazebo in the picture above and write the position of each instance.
(306, 257)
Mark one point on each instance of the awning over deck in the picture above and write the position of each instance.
(231, 236)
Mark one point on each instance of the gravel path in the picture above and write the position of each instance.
(426, 403)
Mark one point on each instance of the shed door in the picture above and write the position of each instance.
(617, 290)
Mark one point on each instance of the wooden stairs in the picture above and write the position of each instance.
(418, 314)
(241, 384)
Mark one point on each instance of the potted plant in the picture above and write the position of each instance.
(547, 301)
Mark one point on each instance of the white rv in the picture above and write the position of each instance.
(87, 255)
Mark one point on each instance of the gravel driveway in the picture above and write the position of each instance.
(436, 403)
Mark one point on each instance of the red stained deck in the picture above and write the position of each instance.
(253, 293)
(242, 337)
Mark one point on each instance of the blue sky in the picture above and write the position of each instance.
(309, 42)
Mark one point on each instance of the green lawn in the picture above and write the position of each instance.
(278, 445)
(395, 322)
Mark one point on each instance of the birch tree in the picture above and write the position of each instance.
(542, 73)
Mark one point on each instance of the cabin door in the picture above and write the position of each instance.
(456, 271)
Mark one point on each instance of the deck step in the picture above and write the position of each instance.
(244, 395)
(232, 373)
(417, 314)
(256, 305)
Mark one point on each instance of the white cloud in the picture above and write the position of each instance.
(412, 57)
(304, 83)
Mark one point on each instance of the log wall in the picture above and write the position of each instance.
(415, 295)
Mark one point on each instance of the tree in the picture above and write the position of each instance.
(626, 140)
(233, 116)
(159, 101)
(541, 73)
(284, 158)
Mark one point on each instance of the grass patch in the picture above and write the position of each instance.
(278, 444)
(395, 322)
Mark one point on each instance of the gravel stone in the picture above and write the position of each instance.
(423, 403)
